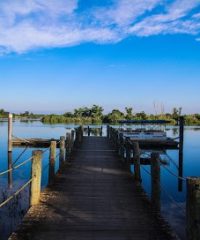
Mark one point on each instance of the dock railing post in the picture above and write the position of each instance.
(155, 181)
(101, 131)
(108, 131)
(193, 208)
(36, 174)
(62, 151)
(128, 150)
(79, 136)
(72, 139)
(121, 145)
(68, 145)
(52, 159)
(10, 129)
(136, 161)
(81, 133)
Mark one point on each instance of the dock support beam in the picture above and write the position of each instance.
(136, 161)
(52, 159)
(155, 181)
(10, 129)
(193, 208)
(36, 175)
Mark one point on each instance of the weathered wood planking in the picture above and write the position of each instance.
(94, 199)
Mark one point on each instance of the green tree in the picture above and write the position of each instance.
(68, 115)
(141, 116)
(115, 116)
(129, 113)
(96, 111)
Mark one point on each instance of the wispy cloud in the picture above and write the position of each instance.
(30, 24)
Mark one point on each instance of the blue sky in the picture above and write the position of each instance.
(58, 55)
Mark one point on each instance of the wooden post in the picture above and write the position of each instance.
(62, 151)
(193, 208)
(128, 150)
(72, 140)
(108, 131)
(80, 135)
(121, 145)
(52, 159)
(181, 130)
(10, 174)
(10, 129)
(155, 181)
(68, 146)
(136, 161)
(181, 141)
(101, 131)
(36, 175)
(88, 131)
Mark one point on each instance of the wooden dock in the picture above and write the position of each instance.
(94, 197)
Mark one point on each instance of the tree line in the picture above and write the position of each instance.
(95, 115)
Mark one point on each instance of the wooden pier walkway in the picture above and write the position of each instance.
(93, 199)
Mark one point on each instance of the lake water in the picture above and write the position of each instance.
(172, 200)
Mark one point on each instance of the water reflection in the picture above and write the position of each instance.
(93, 130)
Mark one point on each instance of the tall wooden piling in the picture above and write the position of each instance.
(181, 130)
(10, 173)
(10, 129)
(52, 159)
(181, 142)
(155, 181)
(193, 208)
(136, 161)
(36, 174)
(62, 151)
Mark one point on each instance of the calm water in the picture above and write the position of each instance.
(173, 201)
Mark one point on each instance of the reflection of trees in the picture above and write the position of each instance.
(93, 131)
(174, 131)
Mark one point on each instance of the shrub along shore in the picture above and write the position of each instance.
(95, 115)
